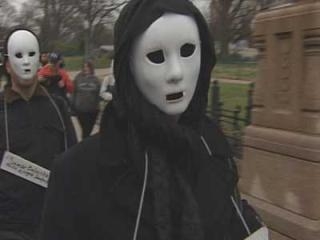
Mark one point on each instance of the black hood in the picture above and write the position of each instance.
(128, 101)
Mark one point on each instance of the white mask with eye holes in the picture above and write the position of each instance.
(166, 62)
(23, 54)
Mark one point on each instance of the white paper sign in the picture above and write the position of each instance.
(25, 169)
(260, 234)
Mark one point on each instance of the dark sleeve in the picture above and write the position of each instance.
(75, 89)
(58, 219)
(250, 221)
(2, 128)
(70, 130)
(98, 83)
(238, 230)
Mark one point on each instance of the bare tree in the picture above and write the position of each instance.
(96, 13)
(50, 18)
(74, 20)
(230, 21)
(7, 14)
(77, 23)
(58, 16)
(30, 16)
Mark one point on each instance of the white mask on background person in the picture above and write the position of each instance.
(165, 62)
(23, 54)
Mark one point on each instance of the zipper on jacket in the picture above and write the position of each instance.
(234, 203)
(145, 179)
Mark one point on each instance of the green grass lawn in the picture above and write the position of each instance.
(74, 63)
(240, 70)
(232, 95)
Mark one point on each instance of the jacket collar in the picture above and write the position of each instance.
(125, 182)
(115, 133)
(12, 96)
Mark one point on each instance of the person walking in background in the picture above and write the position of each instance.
(34, 129)
(55, 78)
(85, 98)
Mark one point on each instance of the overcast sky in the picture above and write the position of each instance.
(17, 2)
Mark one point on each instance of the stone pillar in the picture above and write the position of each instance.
(280, 170)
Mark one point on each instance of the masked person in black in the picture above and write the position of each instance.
(34, 129)
(159, 168)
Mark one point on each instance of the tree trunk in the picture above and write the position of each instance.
(45, 28)
(224, 47)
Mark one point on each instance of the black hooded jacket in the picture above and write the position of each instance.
(36, 133)
(95, 189)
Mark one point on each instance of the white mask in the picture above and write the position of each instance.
(165, 62)
(23, 54)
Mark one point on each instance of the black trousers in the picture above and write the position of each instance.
(87, 121)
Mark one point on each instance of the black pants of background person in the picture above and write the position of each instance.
(87, 121)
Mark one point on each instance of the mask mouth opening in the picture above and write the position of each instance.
(174, 97)
(27, 70)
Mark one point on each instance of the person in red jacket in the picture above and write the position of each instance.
(55, 78)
